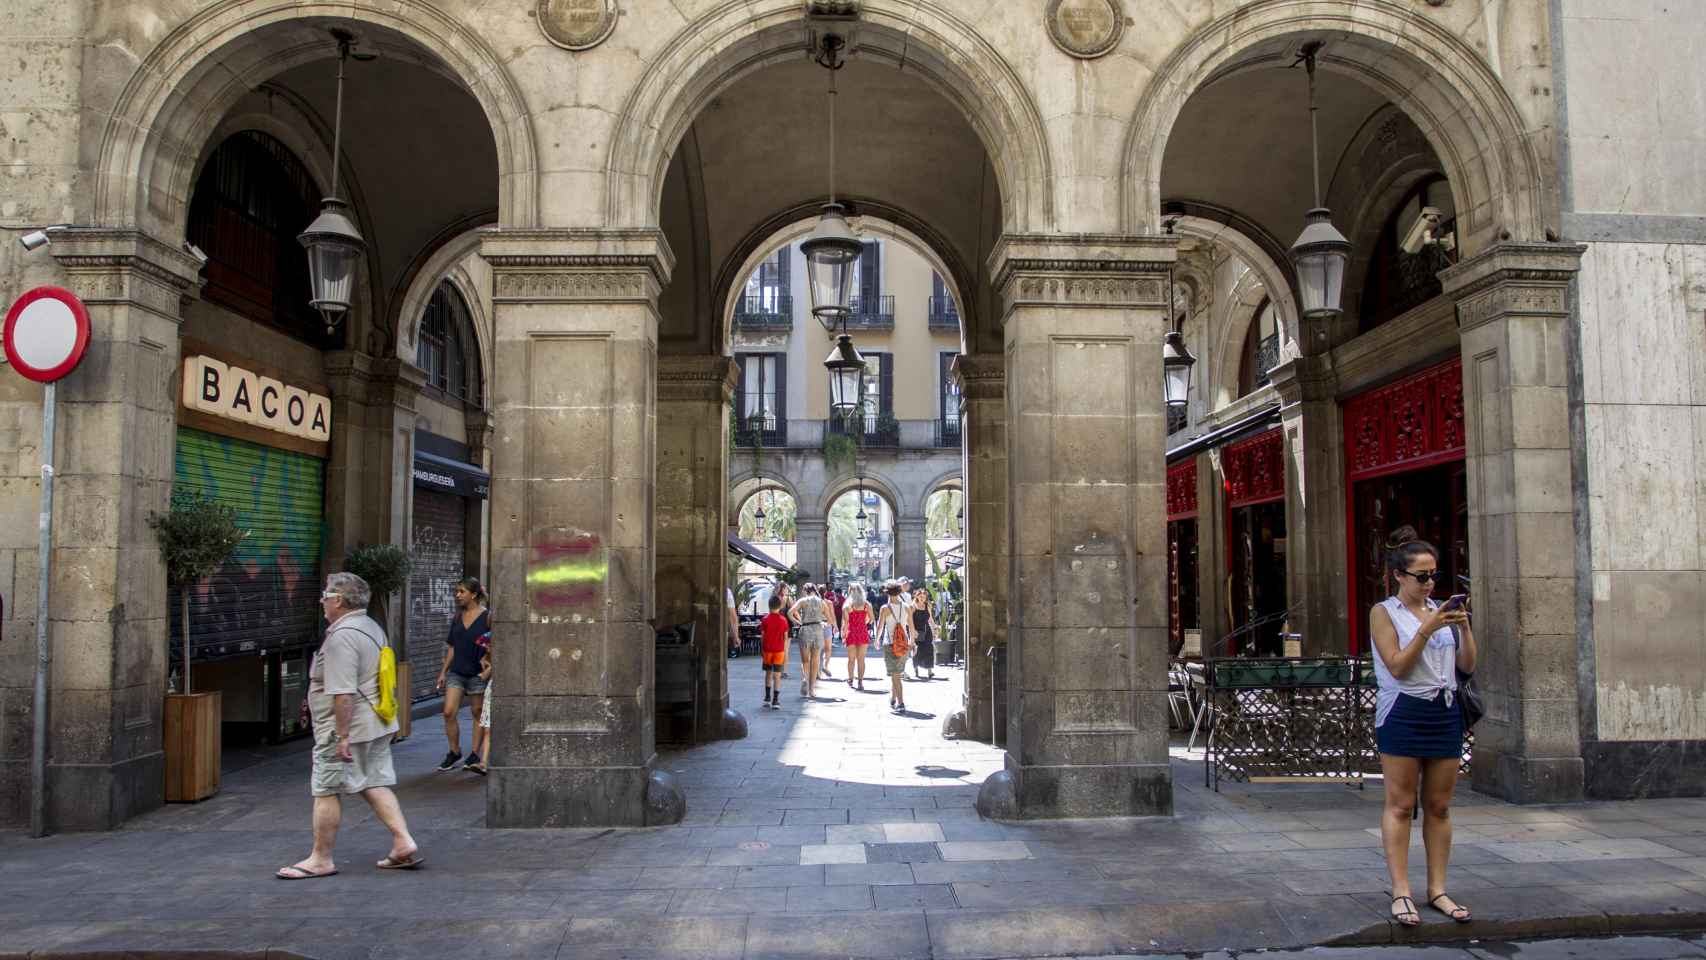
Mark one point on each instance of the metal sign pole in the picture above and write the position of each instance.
(44, 651)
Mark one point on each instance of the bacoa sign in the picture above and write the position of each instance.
(233, 393)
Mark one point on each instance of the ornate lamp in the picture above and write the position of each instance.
(1321, 251)
(333, 244)
(846, 377)
(1176, 358)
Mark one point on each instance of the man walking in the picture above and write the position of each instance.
(352, 745)
(470, 639)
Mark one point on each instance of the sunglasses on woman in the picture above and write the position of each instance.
(1423, 576)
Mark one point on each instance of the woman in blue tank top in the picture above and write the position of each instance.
(1419, 648)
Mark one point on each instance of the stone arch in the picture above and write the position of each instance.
(731, 40)
(872, 220)
(743, 484)
(178, 94)
(448, 262)
(947, 480)
(1231, 328)
(881, 485)
(1456, 100)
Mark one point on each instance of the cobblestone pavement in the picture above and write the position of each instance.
(835, 830)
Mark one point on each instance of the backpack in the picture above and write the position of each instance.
(386, 708)
(901, 645)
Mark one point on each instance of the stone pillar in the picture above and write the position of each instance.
(115, 417)
(1086, 436)
(909, 557)
(477, 424)
(1212, 601)
(574, 451)
(811, 546)
(1513, 317)
(1314, 503)
(692, 542)
(982, 380)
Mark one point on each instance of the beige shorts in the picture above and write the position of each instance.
(371, 768)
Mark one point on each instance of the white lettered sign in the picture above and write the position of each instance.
(233, 393)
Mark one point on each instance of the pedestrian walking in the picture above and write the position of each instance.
(855, 622)
(483, 723)
(1421, 646)
(734, 624)
(831, 623)
(461, 676)
(781, 593)
(924, 629)
(352, 743)
(894, 632)
(811, 615)
(774, 651)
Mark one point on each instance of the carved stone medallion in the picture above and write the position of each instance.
(1085, 28)
(577, 24)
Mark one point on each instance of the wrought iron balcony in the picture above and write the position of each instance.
(1267, 357)
(948, 431)
(761, 431)
(944, 315)
(869, 431)
(871, 313)
(765, 312)
(1177, 419)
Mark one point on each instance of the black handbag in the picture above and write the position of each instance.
(1469, 701)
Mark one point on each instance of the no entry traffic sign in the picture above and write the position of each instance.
(47, 331)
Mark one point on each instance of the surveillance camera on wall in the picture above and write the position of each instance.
(195, 252)
(34, 240)
(1421, 232)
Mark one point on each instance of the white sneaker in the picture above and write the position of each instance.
(802, 688)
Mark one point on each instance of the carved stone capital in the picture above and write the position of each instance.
(576, 265)
(696, 379)
(127, 267)
(1513, 279)
(1303, 379)
(980, 376)
(477, 424)
(1096, 270)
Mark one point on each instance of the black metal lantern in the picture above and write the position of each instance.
(846, 378)
(831, 252)
(1176, 363)
(1321, 251)
(333, 244)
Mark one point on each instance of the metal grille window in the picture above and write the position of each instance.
(1261, 349)
(769, 283)
(948, 392)
(761, 404)
(446, 348)
(944, 314)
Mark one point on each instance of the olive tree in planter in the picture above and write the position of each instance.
(385, 567)
(197, 536)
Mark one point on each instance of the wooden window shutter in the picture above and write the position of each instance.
(782, 271)
(887, 381)
(780, 387)
(870, 277)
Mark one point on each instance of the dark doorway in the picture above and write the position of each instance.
(1434, 500)
(1258, 580)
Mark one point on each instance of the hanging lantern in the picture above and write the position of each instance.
(334, 248)
(846, 378)
(1320, 254)
(1176, 363)
(831, 252)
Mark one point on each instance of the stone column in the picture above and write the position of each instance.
(574, 455)
(909, 557)
(982, 380)
(1086, 435)
(1212, 602)
(1314, 503)
(811, 545)
(115, 417)
(1513, 317)
(692, 542)
(477, 424)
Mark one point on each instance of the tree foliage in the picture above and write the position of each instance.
(385, 567)
(196, 535)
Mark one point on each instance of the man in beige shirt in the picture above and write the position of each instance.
(352, 745)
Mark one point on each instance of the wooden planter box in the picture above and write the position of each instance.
(192, 746)
(405, 686)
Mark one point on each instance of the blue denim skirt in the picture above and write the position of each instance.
(1424, 729)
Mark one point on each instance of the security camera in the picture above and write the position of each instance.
(1421, 232)
(36, 239)
(195, 252)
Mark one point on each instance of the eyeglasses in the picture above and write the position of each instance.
(329, 595)
(1423, 576)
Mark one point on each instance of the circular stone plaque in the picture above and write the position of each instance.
(1085, 28)
(577, 24)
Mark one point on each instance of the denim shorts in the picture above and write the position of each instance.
(471, 685)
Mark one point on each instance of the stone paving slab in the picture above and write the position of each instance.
(838, 830)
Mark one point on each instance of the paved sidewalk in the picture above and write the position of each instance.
(835, 830)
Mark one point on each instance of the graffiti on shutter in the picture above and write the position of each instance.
(438, 532)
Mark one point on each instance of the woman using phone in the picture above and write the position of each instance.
(1420, 647)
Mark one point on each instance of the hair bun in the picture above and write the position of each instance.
(1401, 536)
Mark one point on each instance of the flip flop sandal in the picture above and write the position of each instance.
(302, 874)
(409, 862)
(1409, 912)
(1459, 913)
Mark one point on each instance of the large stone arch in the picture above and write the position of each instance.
(870, 479)
(1447, 88)
(946, 480)
(452, 262)
(918, 36)
(179, 92)
(744, 483)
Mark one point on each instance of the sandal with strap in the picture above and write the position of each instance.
(1407, 917)
(1458, 912)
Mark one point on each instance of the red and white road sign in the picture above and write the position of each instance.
(47, 331)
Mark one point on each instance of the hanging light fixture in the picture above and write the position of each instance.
(759, 513)
(831, 253)
(1321, 251)
(333, 243)
(1176, 358)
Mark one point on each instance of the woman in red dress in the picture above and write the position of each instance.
(856, 628)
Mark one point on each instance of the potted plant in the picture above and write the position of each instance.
(386, 568)
(196, 535)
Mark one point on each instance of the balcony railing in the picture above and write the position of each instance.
(1177, 419)
(871, 313)
(944, 315)
(765, 312)
(761, 430)
(948, 431)
(869, 431)
(1267, 357)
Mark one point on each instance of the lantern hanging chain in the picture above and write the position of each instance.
(832, 134)
(1309, 52)
(338, 115)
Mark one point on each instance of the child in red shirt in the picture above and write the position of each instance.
(775, 653)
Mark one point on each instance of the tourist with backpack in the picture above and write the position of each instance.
(894, 632)
(354, 711)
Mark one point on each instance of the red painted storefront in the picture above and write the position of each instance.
(1254, 471)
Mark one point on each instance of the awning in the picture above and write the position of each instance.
(1215, 438)
(747, 550)
(451, 476)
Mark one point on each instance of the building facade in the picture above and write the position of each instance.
(1516, 368)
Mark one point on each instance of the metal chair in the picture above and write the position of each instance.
(1179, 697)
(1198, 688)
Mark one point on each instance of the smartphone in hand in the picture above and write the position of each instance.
(1455, 603)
